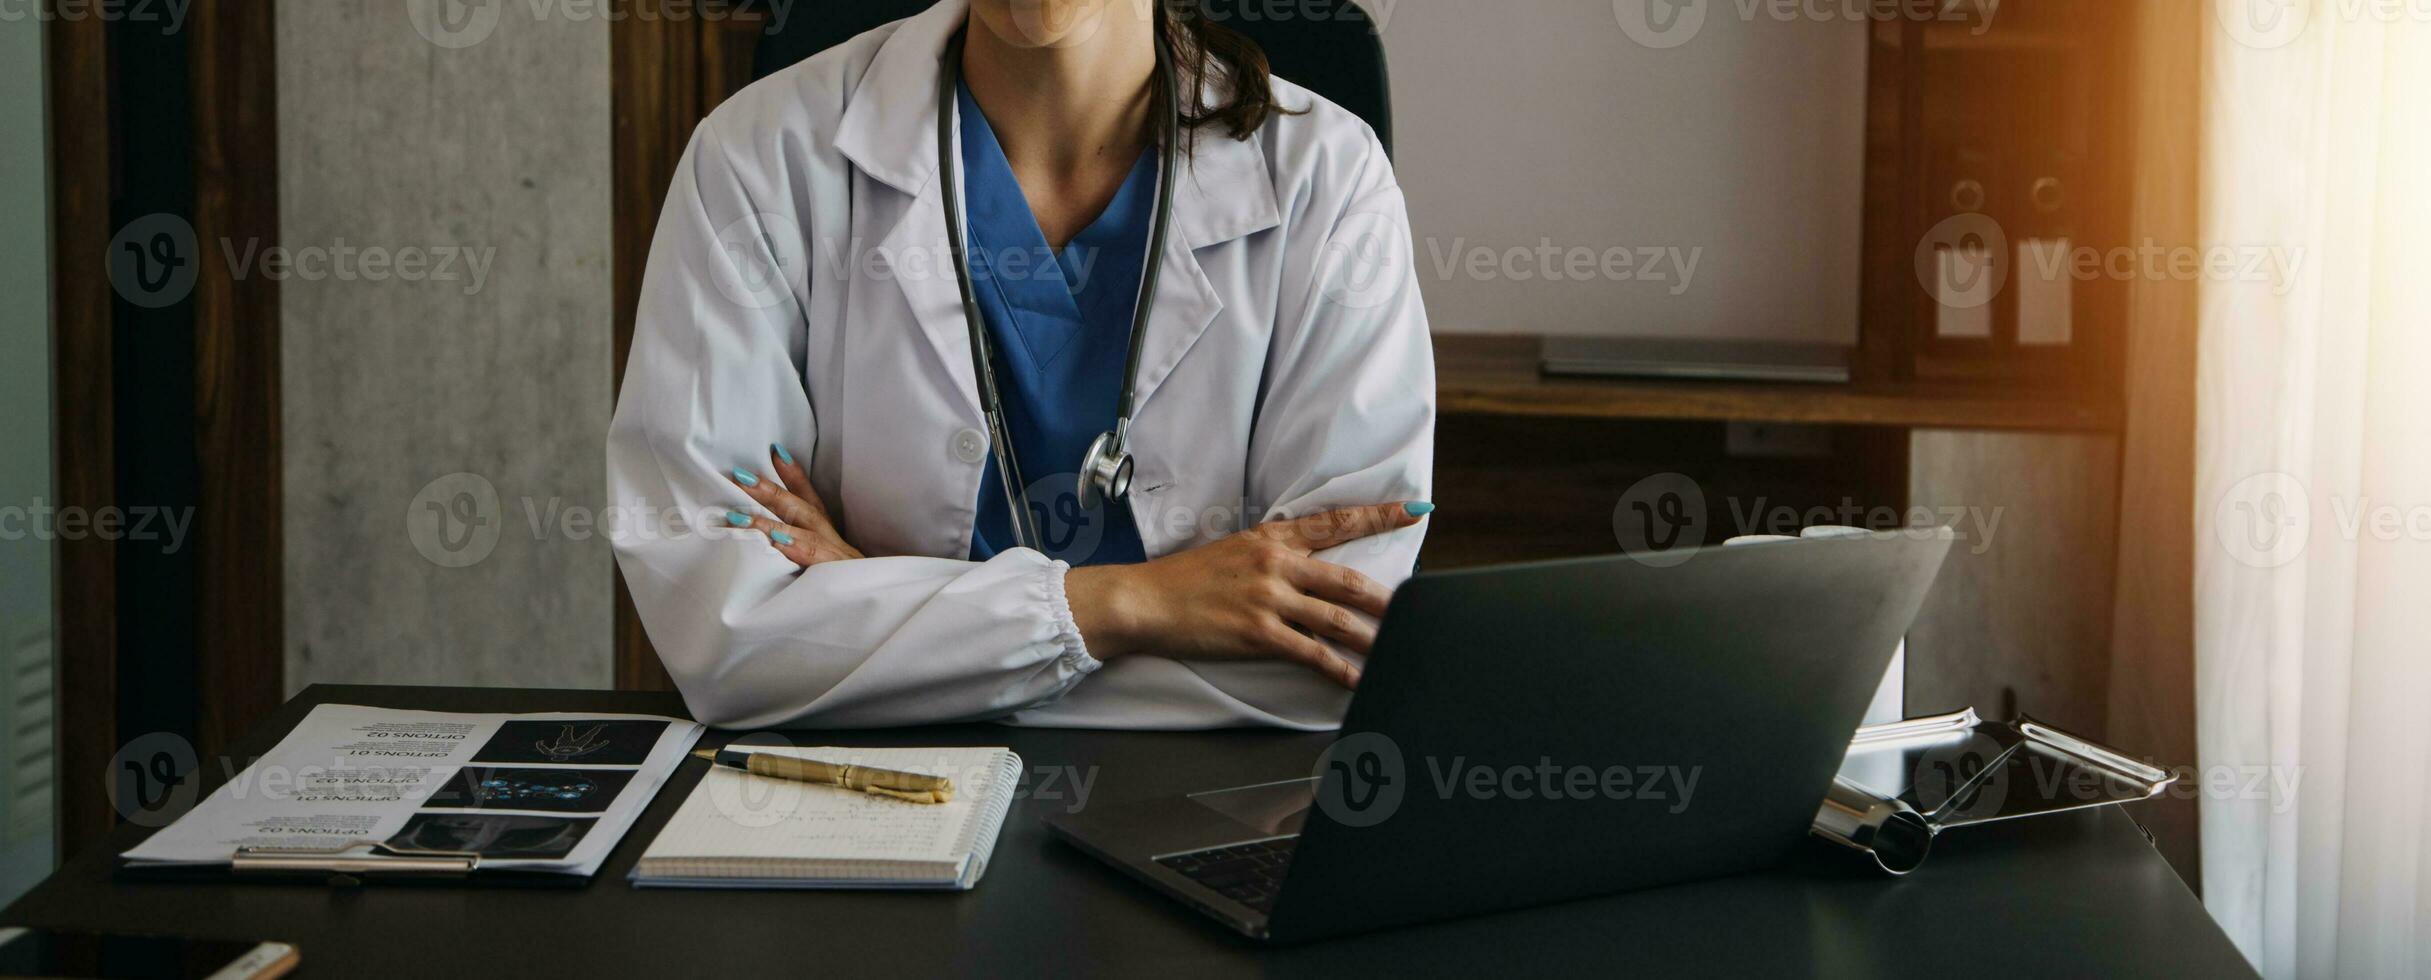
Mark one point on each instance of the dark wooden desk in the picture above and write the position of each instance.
(2083, 895)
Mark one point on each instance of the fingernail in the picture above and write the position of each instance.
(782, 455)
(745, 478)
(780, 537)
(738, 518)
(1418, 508)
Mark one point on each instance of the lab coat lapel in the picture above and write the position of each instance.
(918, 258)
(1221, 194)
(889, 132)
(889, 128)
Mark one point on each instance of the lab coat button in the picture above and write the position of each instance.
(969, 446)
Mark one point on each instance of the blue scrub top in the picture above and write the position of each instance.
(1060, 330)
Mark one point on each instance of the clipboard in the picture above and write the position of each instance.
(349, 865)
(1958, 770)
(1903, 784)
(359, 794)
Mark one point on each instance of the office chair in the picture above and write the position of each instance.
(1329, 46)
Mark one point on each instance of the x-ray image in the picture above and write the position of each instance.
(605, 742)
(493, 835)
(553, 790)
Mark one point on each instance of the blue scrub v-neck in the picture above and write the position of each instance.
(1059, 326)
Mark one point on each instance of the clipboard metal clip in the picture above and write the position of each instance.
(1902, 784)
(349, 863)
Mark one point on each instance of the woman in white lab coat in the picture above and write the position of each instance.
(802, 370)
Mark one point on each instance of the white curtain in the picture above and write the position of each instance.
(2313, 557)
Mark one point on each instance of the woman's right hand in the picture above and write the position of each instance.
(1256, 595)
(807, 536)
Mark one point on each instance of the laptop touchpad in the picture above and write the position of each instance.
(1272, 808)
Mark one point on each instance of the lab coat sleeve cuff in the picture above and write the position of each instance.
(1075, 658)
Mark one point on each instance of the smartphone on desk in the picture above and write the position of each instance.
(40, 953)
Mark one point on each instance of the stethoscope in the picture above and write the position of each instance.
(1105, 472)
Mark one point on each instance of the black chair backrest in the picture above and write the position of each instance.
(1330, 46)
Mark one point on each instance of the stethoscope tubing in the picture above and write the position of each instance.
(1008, 468)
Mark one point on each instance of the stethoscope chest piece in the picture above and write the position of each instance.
(1105, 473)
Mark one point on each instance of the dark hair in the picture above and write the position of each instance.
(1204, 49)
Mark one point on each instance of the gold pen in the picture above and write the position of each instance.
(908, 786)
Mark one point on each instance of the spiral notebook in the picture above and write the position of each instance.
(738, 830)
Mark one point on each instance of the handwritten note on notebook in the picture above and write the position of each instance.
(738, 830)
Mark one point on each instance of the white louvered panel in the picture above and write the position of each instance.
(27, 779)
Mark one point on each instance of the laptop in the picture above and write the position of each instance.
(1534, 733)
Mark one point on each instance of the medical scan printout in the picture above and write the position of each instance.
(536, 792)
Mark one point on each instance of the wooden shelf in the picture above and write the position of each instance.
(1497, 375)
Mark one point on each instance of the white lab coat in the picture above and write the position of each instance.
(800, 292)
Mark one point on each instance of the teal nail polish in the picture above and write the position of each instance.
(1418, 508)
(745, 477)
(738, 518)
(782, 455)
(781, 537)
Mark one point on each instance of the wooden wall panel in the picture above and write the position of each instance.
(1888, 303)
(85, 469)
(240, 615)
(2019, 620)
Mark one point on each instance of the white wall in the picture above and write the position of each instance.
(490, 142)
(25, 462)
(1523, 121)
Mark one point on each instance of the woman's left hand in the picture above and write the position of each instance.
(802, 532)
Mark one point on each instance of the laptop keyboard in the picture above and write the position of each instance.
(1249, 873)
